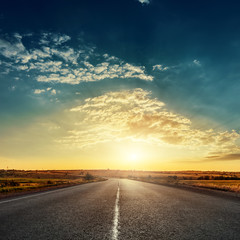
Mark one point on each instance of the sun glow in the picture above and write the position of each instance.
(133, 157)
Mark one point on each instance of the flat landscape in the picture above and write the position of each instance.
(119, 120)
(14, 182)
(211, 180)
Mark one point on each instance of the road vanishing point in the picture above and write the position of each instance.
(119, 209)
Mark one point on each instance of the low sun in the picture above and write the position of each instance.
(133, 157)
(132, 154)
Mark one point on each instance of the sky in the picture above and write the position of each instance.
(130, 84)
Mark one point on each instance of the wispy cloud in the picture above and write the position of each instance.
(160, 67)
(144, 1)
(177, 68)
(134, 115)
(224, 157)
(11, 50)
(60, 39)
(55, 61)
(57, 39)
(197, 62)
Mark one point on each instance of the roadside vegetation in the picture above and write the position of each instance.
(16, 181)
(224, 181)
(217, 180)
(224, 185)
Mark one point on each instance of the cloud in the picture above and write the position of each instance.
(160, 67)
(177, 68)
(53, 92)
(16, 51)
(134, 115)
(60, 39)
(17, 36)
(13, 88)
(56, 62)
(67, 54)
(56, 39)
(47, 66)
(50, 90)
(196, 62)
(39, 91)
(11, 50)
(144, 1)
(91, 73)
(22, 67)
(229, 157)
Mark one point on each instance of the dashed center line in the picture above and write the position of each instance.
(116, 216)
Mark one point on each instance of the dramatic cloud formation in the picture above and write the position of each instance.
(55, 61)
(134, 115)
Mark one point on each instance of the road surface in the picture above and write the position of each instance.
(119, 210)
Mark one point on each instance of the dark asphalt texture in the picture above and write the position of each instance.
(146, 211)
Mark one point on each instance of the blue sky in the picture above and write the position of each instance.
(59, 56)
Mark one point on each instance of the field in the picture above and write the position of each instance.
(224, 185)
(19, 181)
(14, 182)
(222, 181)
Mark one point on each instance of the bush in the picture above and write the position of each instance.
(14, 184)
(49, 182)
(89, 176)
(173, 179)
(10, 183)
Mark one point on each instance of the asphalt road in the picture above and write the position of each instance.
(119, 210)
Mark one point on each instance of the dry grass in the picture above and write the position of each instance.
(28, 180)
(224, 185)
(224, 181)
(14, 181)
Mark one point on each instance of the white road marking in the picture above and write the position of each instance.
(37, 194)
(116, 216)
